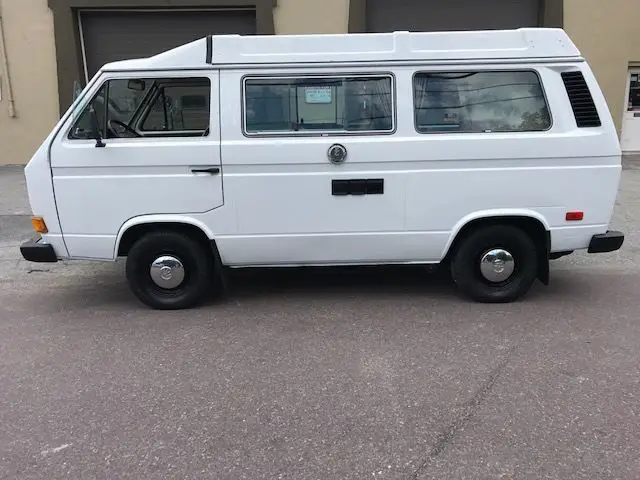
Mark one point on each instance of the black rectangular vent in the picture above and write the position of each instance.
(584, 109)
(369, 186)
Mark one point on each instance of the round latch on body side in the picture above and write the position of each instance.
(337, 153)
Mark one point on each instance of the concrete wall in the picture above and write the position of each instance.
(311, 16)
(28, 32)
(606, 32)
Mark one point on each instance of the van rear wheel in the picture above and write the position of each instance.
(169, 270)
(495, 264)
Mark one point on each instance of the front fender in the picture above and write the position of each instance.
(159, 218)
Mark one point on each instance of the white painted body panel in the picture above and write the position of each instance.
(268, 50)
(42, 196)
(272, 205)
(279, 188)
(98, 189)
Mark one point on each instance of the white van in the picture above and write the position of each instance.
(491, 152)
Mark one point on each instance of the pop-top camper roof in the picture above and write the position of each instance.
(225, 51)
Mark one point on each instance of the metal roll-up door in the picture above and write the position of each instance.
(441, 15)
(111, 36)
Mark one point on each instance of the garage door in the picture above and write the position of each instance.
(438, 15)
(112, 36)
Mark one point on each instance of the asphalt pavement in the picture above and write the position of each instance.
(379, 373)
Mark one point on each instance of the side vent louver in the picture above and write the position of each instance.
(581, 100)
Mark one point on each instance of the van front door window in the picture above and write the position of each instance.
(152, 107)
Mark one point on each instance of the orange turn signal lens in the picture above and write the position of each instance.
(39, 225)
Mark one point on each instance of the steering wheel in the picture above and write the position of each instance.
(122, 125)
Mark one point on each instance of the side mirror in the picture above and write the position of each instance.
(95, 128)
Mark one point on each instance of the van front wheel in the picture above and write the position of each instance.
(495, 264)
(169, 270)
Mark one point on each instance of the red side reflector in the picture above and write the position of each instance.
(574, 216)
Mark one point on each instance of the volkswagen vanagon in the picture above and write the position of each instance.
(490, 152)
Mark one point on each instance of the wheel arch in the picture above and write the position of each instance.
(529, 221)
(135, 228)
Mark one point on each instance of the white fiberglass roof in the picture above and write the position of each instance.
(230, 50)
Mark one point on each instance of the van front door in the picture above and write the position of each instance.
(157, 152)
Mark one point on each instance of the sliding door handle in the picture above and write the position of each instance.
(210, 170)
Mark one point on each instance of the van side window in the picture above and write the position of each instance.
(148, 107)
(319, 104)
(83, 128)
(480, 102)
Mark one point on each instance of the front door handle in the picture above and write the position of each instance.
(210, 170)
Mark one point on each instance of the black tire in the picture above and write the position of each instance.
(465, 264)
(198, 264)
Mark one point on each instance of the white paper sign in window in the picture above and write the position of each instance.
(318, 95)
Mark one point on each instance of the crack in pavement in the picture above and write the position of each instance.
(446, 436)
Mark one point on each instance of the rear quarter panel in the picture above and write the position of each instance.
(453, 177)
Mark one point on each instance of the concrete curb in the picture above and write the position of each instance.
(631, 161)
(13, 192)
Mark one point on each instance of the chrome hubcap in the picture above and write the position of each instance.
(497, 265)
(167, 272)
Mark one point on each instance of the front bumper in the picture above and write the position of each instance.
(606, 242)
(35, 250)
